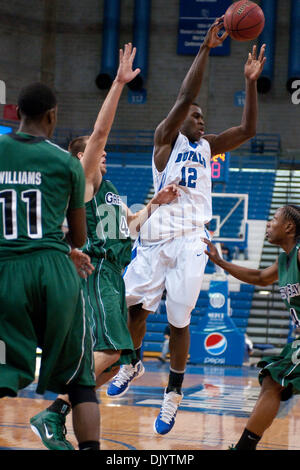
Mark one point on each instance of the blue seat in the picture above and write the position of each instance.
(155, 336)
(241, 295)
(241, 304)
(240, 313)
(155, 326)
(240, 322)
(162, 318)
(152, 346)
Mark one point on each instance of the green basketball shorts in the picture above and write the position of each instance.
(284, 369)
(42, 305)
(104, 293)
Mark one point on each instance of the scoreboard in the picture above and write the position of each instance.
(220, 168)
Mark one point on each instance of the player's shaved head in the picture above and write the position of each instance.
(35, 100)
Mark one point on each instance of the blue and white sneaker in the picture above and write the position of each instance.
(123, 379)
(166, 418)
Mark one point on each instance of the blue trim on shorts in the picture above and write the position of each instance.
(207, 233)
(134, 251)
(163, 180)
(133, 254)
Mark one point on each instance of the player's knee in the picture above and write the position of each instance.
(269, 385)
(179, 330)
(114, 356)
(108, 356)
(80, 394)
(137, 314)
(179, 316)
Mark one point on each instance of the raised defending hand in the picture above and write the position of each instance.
(126, 57)
(212, 37)
(82, 263)
(166, 195)
(213, 253)
(254, 66)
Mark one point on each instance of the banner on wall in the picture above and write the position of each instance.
(195, 19)
(216, 340)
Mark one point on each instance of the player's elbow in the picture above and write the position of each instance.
(262, 282)
(249, 131)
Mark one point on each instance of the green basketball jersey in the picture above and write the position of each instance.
(107, 229)
(289, 280)
(38, 182)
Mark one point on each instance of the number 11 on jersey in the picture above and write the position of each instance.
(33, 201)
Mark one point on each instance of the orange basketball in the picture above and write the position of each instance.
(244, 20)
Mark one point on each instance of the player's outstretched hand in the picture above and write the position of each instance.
(254, 66)
(166, 195)
(82, 263)
(212, 38)
(213, 253)
(126, 57)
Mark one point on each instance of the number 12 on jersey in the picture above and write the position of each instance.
(188, 177)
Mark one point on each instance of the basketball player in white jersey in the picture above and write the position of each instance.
(169, 254)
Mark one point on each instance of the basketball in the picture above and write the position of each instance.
(244, 20)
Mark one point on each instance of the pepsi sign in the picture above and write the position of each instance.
(215, 344)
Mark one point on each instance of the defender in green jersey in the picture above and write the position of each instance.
(280, 375)
(108, 246)
(40, 293)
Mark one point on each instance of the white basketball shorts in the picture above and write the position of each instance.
(176, 266)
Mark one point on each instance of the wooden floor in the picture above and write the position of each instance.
(216, 404)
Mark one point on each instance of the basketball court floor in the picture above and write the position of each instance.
(213, 413)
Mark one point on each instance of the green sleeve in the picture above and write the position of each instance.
(78, 185)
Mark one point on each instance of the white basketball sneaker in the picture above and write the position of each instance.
(121, 382)
(166, 418)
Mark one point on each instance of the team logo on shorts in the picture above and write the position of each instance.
(215, 344)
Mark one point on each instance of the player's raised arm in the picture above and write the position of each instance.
(236, 136)
(167, 131)
(258, 277)
(97, 141)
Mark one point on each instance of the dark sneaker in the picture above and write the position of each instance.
(50, 428)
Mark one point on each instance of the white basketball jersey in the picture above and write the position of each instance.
(189, 168)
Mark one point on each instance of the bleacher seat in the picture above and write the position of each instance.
(154, 336)
(134, 183)
(259, 187)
